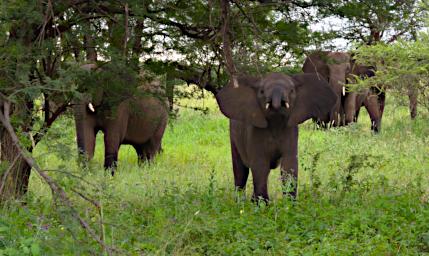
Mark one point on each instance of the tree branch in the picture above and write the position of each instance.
(227, 52)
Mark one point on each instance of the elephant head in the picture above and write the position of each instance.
(93, 100)
(276, 99)
(339, 67)
(84, 112)
(334, 67)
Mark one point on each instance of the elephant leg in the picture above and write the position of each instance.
(350, 108)
(372, 106)
(289, 164)
(241, 171)
(111, 149)
(355, 118)
(153, 145)
(141, 157)
(148, 151)
(260, 183)
(412, 95)
(359, 102)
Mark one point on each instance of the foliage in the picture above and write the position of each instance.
(44, 42)
(400, 66)
(369, 22)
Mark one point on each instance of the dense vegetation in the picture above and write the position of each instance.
(358, 193)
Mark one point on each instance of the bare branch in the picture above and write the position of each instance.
(126, 34)
(227, 52)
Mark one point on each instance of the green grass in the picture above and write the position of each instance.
(359, 194)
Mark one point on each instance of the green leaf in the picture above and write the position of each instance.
(35, 249)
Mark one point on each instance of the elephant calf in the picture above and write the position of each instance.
(137, 121)
(264, 115)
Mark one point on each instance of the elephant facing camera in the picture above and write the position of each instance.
(264, 116)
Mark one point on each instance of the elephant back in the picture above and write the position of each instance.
(316, 63)
(154, 86)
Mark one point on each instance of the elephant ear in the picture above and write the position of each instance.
(238, 101)
(314, 98)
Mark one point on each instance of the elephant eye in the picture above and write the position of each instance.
(261, 91)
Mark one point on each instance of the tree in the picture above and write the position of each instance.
(369, 22)
(402, 66)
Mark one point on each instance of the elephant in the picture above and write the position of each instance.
(339, 68)
(373, 99)
(264, 115)
(333, 67)
(138, 120)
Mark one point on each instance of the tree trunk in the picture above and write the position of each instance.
(15, 176)
(413, 95)
(14, 170)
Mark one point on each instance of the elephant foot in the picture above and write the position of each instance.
(375, 127)
(260, 200)
(110, 163)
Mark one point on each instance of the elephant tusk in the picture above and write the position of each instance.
(267, 105)
(344, 90)
(235, 82)
(287, 105)
(91, 107)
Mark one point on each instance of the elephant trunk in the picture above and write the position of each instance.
(337, 82)
(85, 130)
(79, 116)
(276, 99)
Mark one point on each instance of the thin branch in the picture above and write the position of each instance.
(93, 202)
(126, 34)
(227, 52)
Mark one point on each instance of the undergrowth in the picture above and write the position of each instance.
(359, 194)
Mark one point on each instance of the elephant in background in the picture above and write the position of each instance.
(338, 68)
(138, 119)
(264, 115)
(373, 99)
(333, 67)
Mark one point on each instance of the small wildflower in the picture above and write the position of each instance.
(241, 211)
(62, 228)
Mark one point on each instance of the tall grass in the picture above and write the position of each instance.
(359, 194)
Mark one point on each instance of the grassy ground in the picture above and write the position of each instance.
(359, 194)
